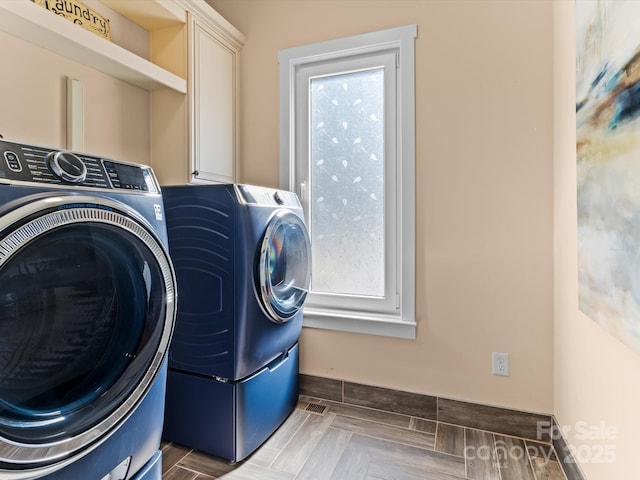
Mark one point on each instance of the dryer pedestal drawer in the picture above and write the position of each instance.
(231, 420)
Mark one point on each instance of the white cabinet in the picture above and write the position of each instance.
(194, 138)
(212, 82)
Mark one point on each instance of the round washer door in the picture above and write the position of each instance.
(87, 306)
(284, 265)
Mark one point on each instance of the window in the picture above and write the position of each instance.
(348, 151)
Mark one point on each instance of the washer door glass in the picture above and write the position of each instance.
(76, 313)
(284, 266)
(85, 318)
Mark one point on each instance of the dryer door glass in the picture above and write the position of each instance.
(284, 266)
(86, 313)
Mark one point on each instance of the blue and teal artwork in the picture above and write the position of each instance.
(608, 164)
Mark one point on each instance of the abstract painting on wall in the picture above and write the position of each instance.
(608, 164)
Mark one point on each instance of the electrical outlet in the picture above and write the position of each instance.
(500, 363)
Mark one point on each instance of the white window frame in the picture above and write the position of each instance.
(394, 315)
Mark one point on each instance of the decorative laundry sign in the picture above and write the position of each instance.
(79, 14)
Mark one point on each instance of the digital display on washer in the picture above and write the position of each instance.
(130, 177)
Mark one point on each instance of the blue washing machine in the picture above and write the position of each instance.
(242, 260)
(87, 308)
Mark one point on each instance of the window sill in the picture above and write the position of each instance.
(372, 324)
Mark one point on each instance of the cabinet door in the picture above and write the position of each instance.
(212, 108)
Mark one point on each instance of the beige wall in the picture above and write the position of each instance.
(596, 375)
(33, 99)
(484, 188)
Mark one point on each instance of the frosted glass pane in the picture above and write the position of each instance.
(347, 183)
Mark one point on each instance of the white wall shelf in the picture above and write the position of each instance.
(36, 25)
(150, 14)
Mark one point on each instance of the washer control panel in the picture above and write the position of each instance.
(43, 165)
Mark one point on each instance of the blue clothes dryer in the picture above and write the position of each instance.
(87, 307)
(242, 260)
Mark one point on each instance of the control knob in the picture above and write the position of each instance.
(67, 166)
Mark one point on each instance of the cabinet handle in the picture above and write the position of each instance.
(195, 173)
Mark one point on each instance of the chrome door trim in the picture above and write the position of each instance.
(277, 219)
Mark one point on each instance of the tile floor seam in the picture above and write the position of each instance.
(495, 453)
(292, 435)
(301, 468)
(377, 422)
(415, 446)
(182, 457)
(379, 410)
(387, 411)
(464, 441)
(327, 419)
(524, 439)
(342, 414)
(530, 463)
(398, 442)
(178, 466)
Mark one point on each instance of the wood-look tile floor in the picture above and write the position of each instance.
(354, 443)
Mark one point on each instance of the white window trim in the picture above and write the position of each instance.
(402, 324)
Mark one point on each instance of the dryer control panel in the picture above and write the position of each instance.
(254, 195)
(43, 165)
